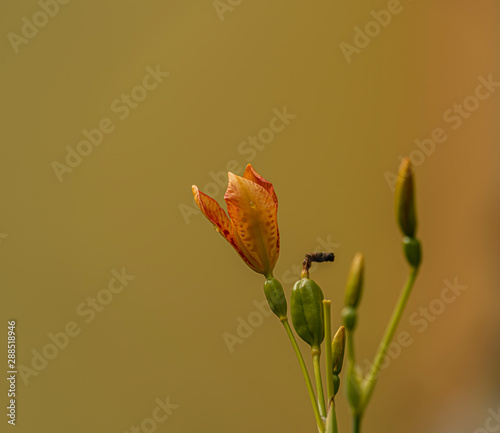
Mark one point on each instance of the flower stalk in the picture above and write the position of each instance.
(327, 307)
(316, 355)
(371, 379)
(303, 368)
(252, 230)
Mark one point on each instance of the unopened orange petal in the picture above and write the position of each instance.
(252, 175)
(216, 215)
(253, 212)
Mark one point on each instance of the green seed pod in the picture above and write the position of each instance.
(354, 284)
(349, 317)
(275, 297)
(413, 251)
(405, 200)
(338, 349)
(306, 309)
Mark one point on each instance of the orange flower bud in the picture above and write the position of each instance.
(252, 225)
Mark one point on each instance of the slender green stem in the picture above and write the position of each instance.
(331, 420)
(327, 306)
(303, 367)
(316, 354)
(350, 347)
(356, 423)
(371, 380)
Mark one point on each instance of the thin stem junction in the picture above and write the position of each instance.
(310, 390)
(371, 380)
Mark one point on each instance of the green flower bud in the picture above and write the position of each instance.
(275, 297)
(354, 284)
(413, 251)
(349, 317)
(405, 200)
(338, 349)
(306, 309)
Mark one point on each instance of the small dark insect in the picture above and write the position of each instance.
(320, 257)
(315, 257)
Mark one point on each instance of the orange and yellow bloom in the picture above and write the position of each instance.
(252, 225)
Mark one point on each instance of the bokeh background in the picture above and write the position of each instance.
(232, 65)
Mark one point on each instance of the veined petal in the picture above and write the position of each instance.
(253, 212)
(252, 175)
(216, 215)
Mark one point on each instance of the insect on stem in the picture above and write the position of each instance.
(315, 257)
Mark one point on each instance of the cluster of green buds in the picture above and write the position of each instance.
(310, 314)
(359, 388)
(252, 230)
(311, 318)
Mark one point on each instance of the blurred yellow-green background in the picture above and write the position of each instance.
(179, 89)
